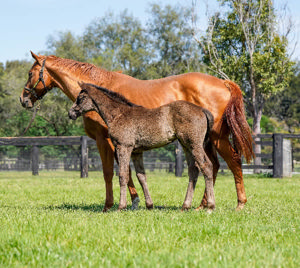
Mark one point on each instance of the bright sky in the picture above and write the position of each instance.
(26, 24)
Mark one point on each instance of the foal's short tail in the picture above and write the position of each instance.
(210, 123)
(235, 118)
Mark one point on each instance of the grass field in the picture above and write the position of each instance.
(55, 220)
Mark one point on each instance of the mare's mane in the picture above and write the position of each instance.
(82, 68)
(114, 96)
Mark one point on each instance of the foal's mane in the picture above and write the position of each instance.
(114, 96)
(81, 68)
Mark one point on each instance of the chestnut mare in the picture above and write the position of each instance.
(222, 98)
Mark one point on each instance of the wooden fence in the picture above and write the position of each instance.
(273, 160)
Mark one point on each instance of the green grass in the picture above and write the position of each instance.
(55, 220)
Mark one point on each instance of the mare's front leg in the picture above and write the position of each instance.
(137, 159)
(123, 154)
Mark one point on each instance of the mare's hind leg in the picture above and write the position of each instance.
(141, 175)
(212, 154)
(234, 163)
(193, 176)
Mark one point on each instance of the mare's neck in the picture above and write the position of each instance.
(67, 73)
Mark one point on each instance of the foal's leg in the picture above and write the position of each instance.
(193, 177)
(123, 154)
(141, 175)
(106, 151)
(212, 154)
(206, 167)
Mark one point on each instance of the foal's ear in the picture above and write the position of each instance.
(81, 84)
(37, 58)
(83, 91)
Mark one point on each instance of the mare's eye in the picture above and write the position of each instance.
(30, 74)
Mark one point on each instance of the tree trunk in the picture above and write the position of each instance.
(257, 146)
(257, 114)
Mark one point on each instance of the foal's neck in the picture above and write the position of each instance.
(108, 108)
(67, 73)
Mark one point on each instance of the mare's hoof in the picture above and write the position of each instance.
(135, 203)
(107, 207)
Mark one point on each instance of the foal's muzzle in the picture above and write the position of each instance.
(72, 114)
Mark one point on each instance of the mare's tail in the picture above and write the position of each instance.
(235, 119)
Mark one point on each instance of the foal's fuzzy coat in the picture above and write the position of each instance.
(134, 129)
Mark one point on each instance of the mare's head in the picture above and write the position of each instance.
(38, 84)
(83, 104)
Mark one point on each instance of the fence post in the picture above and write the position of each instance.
(277, 155)
(84, 167)
(179, 160)
(35, 160)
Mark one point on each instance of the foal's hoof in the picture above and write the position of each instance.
(149, 206)
(240, 206)
(121, 208)
(183, 209)
(135, 203)
(201, 207)
(209, 211)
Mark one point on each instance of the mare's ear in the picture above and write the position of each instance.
(37, 58)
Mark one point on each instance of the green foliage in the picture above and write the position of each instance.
(285, 105)
(55, 220)
(11, 82)
(249, 51)
(172, 39)
(118, 43)
(65, 45)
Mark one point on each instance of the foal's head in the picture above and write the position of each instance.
(82, 104)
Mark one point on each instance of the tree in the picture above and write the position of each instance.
(245, 45)
(285, 105)
(65, 45)
(171, 37)
(11, 82)
(118, 43)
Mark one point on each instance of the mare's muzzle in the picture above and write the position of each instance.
(26, 102)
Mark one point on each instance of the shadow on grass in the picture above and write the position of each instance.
(99, 207)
